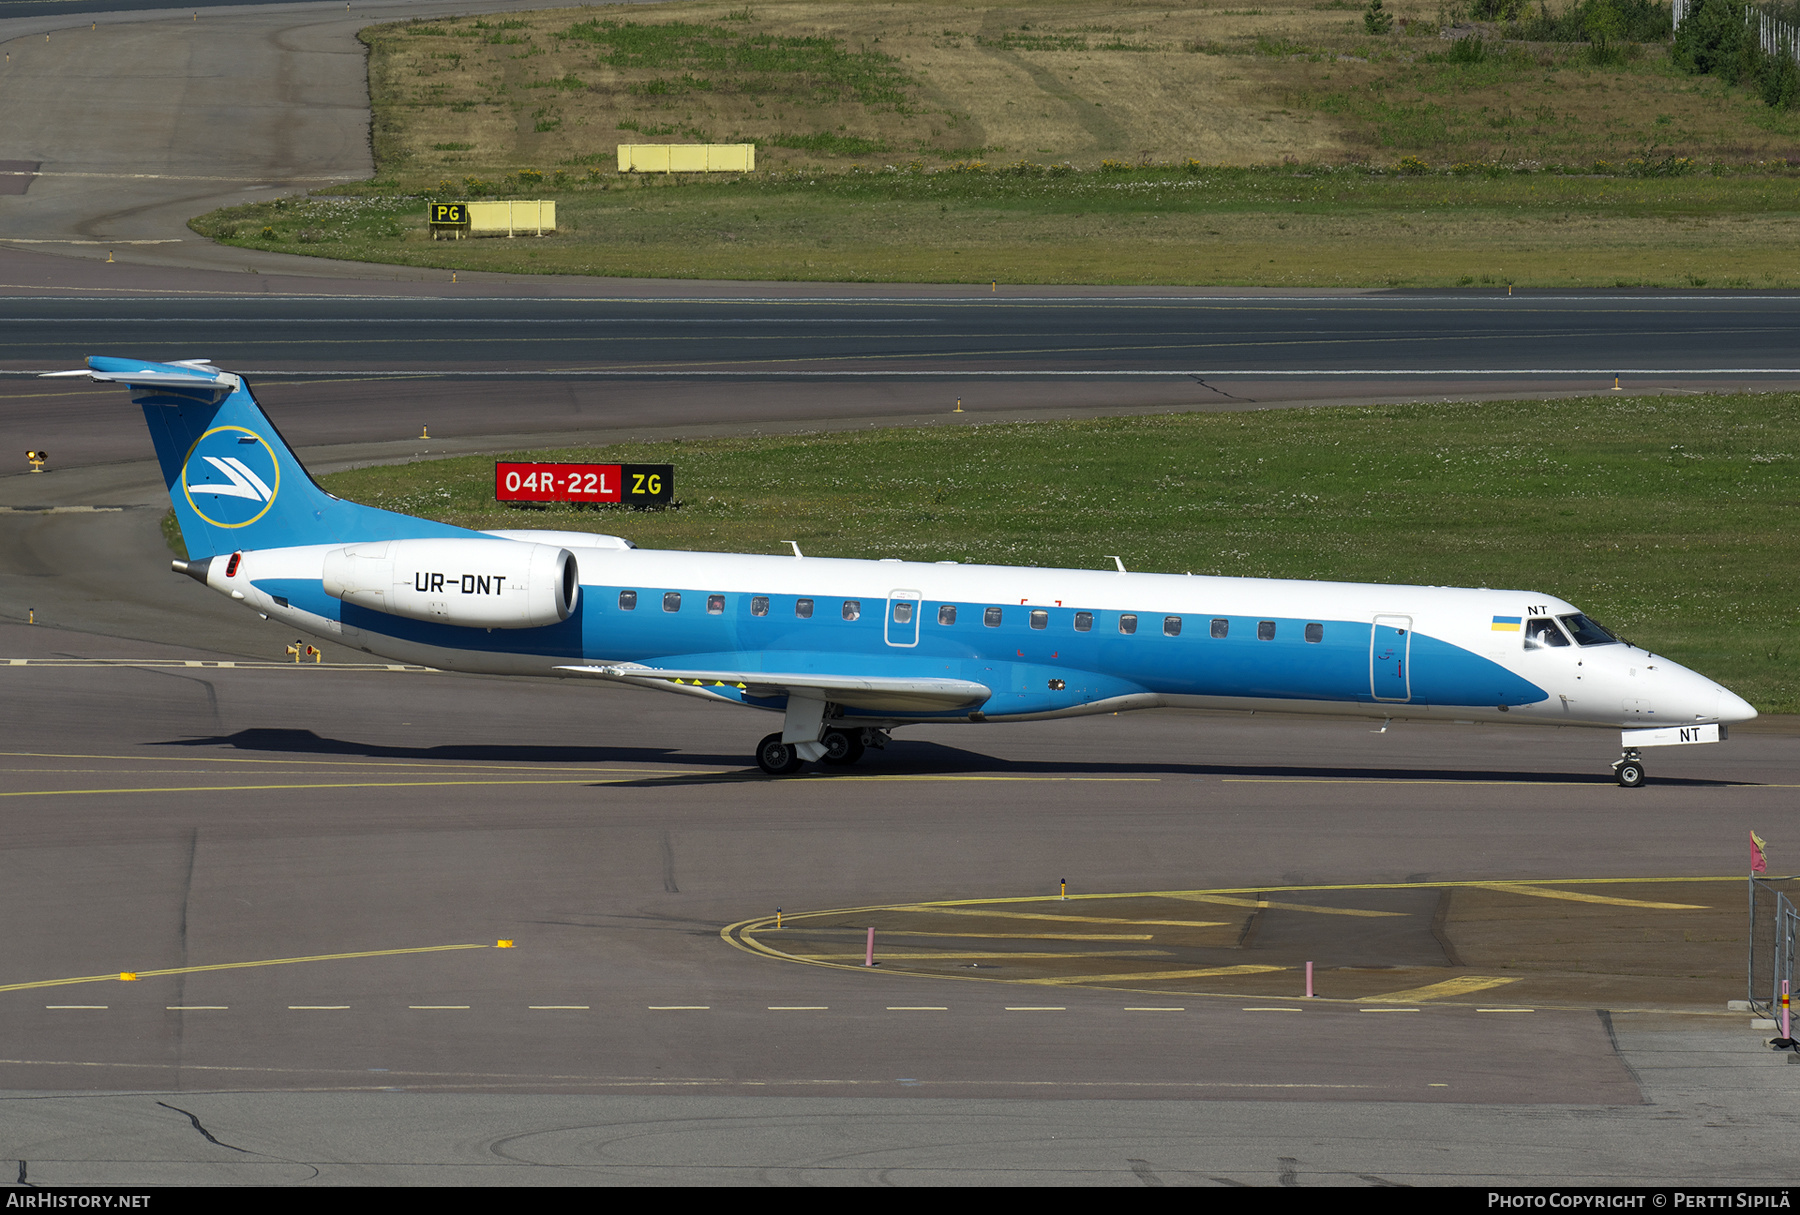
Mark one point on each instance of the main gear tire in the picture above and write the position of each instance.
(776, 757)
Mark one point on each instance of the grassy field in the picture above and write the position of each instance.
(1061, 141)
(1671, 519)
(1300, 227)
(817, 82)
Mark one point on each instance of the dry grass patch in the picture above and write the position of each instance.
(1077, 80)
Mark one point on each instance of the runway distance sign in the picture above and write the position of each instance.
(631, 484)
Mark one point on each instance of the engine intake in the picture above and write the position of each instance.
(490, 584)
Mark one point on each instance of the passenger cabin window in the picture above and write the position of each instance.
(1084, 622)
(1221, 628)
(903, 611)
(1128, 624)
(1542, 633)
(715, 605)
(759, 605)
(1586, 632)
(947, 614)
(852, 609)
(671, 601)
(628, 601)
(991, 618)
(803, 609)
(1171, 626)
(1265, 630)
(1315, 633)
(1040, 619)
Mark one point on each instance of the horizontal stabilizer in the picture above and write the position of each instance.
(193, 373)
(873, 692)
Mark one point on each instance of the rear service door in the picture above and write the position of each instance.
(903, 618)
(1390, 668)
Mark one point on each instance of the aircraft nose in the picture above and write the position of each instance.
(1733, 708)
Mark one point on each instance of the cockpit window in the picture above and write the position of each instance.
(1542, 632)
(1586, 632)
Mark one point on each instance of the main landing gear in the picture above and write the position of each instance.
(1629, 769)
(842, 747)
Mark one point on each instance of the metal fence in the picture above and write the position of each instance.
(1776, 37)
(1774, 924)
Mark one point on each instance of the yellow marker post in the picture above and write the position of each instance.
(37, 460)
(1616, 384)
(1065, 889)
(959, 407)
(30, 615)
(424, 432)
(778, 917)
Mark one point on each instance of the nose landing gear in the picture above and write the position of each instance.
(1629, 769)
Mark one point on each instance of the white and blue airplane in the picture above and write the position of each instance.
(848, 650)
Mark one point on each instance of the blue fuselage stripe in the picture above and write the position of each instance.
(1021, 663)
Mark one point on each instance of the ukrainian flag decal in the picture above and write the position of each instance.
(1506, 624)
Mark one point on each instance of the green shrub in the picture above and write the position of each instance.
(1779, 81)
(1375, 20)
(1468, 50)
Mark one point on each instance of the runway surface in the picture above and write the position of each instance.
(357, 367)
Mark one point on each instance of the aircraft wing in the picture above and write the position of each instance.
(879, 693)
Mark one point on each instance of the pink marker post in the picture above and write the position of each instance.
(1309, 994)
(1785, 1031)
(869, 956)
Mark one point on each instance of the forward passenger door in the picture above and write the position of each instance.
(1390, 652)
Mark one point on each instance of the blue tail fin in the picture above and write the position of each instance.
(232, 479)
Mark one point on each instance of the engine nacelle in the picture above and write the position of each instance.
(491, 584)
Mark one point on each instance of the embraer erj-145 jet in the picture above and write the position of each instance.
(848, 650)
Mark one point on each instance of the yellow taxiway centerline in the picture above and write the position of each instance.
(374, 784)
(192, 970)
(1209, 972)
(1571, 896)
(1448, 989)
(397, 764)
(940, 909)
